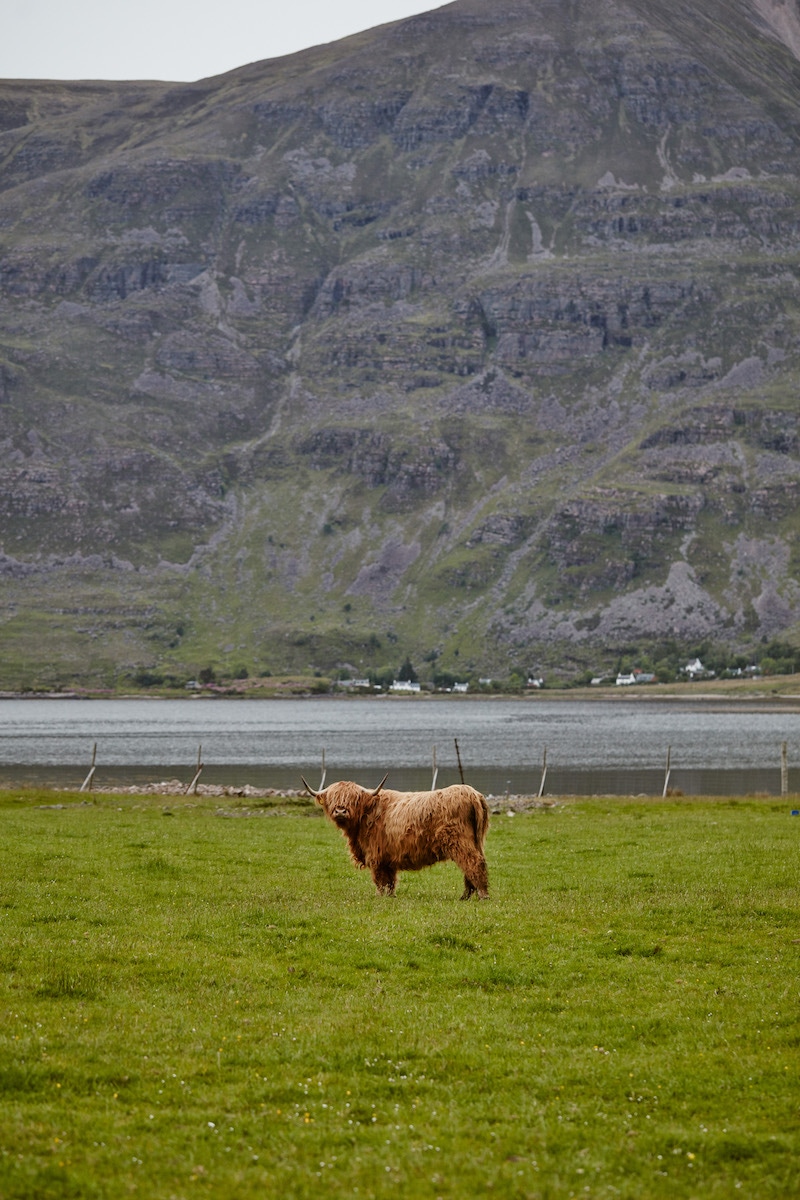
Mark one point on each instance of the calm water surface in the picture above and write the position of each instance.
(500, 740)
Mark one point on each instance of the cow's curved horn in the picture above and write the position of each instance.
(380, 785)
(310, 790)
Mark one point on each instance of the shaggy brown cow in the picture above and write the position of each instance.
(404, 831)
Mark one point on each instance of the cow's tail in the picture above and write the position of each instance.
(480, 819)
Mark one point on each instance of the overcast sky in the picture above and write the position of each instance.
(174, 39)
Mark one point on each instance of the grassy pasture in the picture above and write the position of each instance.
(196, 1006)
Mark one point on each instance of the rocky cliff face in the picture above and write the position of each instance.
(476, 333)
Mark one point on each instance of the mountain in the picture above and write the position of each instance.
(473, 338)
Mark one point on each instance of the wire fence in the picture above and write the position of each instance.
(560, 779)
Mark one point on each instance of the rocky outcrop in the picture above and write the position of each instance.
(408, 473)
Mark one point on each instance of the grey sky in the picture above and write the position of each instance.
(174, 39)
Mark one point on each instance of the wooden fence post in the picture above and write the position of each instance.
(192, 788)
(784, 770)
(544, 772)
(458, 756)
(667, 772)
(86, 786)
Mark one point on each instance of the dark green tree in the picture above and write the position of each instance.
(407, 672)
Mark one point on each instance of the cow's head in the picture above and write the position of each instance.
(344, 801)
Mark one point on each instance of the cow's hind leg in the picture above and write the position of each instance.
(385, 878)
(476, 876)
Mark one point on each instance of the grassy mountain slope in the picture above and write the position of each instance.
(474, 336)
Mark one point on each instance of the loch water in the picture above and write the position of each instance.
(604, 746)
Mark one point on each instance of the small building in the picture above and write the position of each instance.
(696, 670)
(404, 685)
(460, 687)
(626, 680)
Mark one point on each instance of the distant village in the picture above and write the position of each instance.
(402, 686)
(405, 682)
(692, 671)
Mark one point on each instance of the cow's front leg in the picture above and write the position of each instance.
(385, 877)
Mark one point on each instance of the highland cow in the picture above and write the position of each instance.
(391, 831)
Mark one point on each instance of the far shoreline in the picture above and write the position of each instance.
(779, 691)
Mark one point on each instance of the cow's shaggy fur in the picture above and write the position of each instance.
(391, 831)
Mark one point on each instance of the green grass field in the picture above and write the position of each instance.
(196, 1006)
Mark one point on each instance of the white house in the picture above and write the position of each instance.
(625, 680)
(404, 685)
(695, 669)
